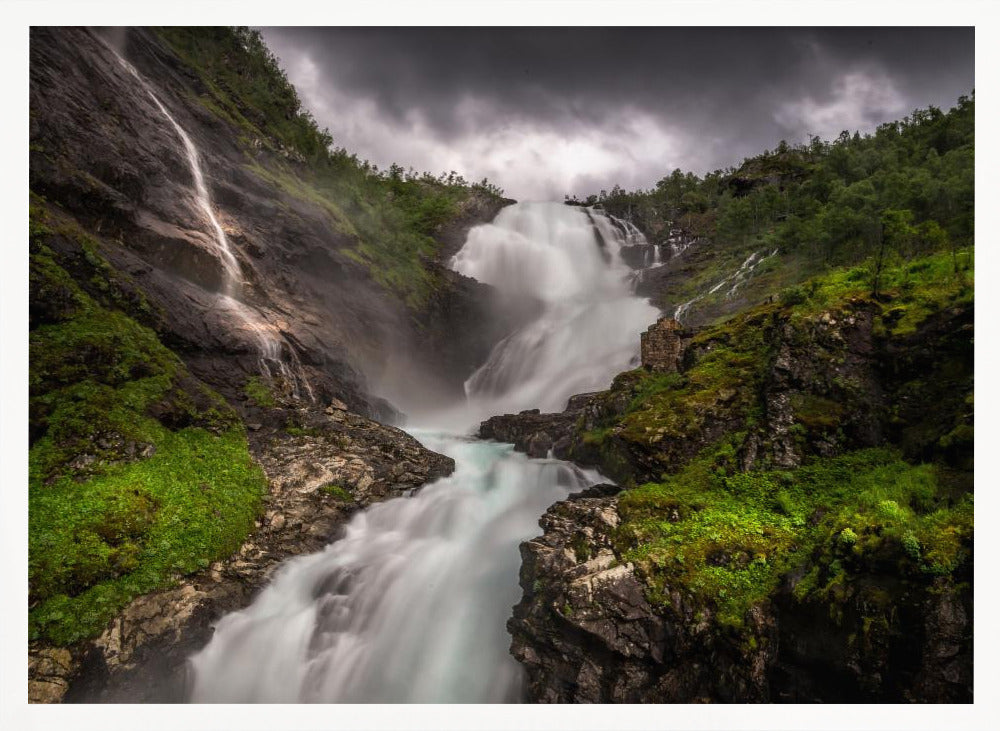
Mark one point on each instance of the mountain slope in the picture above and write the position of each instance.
(182, 400)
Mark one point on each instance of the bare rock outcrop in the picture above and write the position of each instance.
(662, 346)
(586, 633)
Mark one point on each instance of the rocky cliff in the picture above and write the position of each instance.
(197, 416)
(793, 518)
(796, 518)
(105, 154)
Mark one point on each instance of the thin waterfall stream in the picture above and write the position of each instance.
(272, 348)
(410, 605)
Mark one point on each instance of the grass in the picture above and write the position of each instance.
(729, 540)
(93, 546)
(259, 393)
(389, 218)
(731, 358)
(337, 493)
(910, 291)
(665, 408)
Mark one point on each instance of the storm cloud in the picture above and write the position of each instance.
(548, 111)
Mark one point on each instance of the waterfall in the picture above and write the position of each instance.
(590, 325)
(271, 344)
(737, 279)
(232, 279)
(411, 604)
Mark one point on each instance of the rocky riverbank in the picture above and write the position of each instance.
(331, 464)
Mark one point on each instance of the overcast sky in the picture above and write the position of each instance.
(548, 111)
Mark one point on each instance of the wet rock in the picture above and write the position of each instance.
(535, 433)
(49, 672)
(586, 633)
(585, 629)
(105, 155)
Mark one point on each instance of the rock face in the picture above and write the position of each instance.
(337, 463)
(104, 152)
(535, 433)
(662, 346)
(586, 633)
(309, 315)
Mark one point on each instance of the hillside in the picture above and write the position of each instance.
(899, 193)
(163, 379)
(796, 452)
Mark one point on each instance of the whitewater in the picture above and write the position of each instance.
(411, 604)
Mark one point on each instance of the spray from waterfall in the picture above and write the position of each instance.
(272, 346)
(232, 279)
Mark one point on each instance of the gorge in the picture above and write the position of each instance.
(306, 432)
(402, 609)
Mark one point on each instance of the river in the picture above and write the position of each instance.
(410, 605)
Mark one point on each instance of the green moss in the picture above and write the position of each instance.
(911, 291)
(294, 430)
(596, 436)
(387, 218)
(817, 413)
(137, 472)
(95, 545)
(337, 493)
(720, 384)
(729, 540)
(581, 547)
(282, 176)
(259, 393)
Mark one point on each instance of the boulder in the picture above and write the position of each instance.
(662, 346)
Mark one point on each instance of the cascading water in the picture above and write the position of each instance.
(590, 324)
(271, 345)
(232, 279)
(737, 279)
(411, 604)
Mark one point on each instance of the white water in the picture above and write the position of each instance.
(220, 244)
(735, 280)
(590, 325)
(271, 344)
(411, 604)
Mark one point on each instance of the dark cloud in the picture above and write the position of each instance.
(543, 111)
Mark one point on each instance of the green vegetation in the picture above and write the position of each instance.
(880, 200)
(259, 393)
(910, 291)
(138, 473)
(729, 539)
(389, 216)
(666, 411)
(294, 430)
(874, 226)
(95, 545)
(337, 493)
(720, 387)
